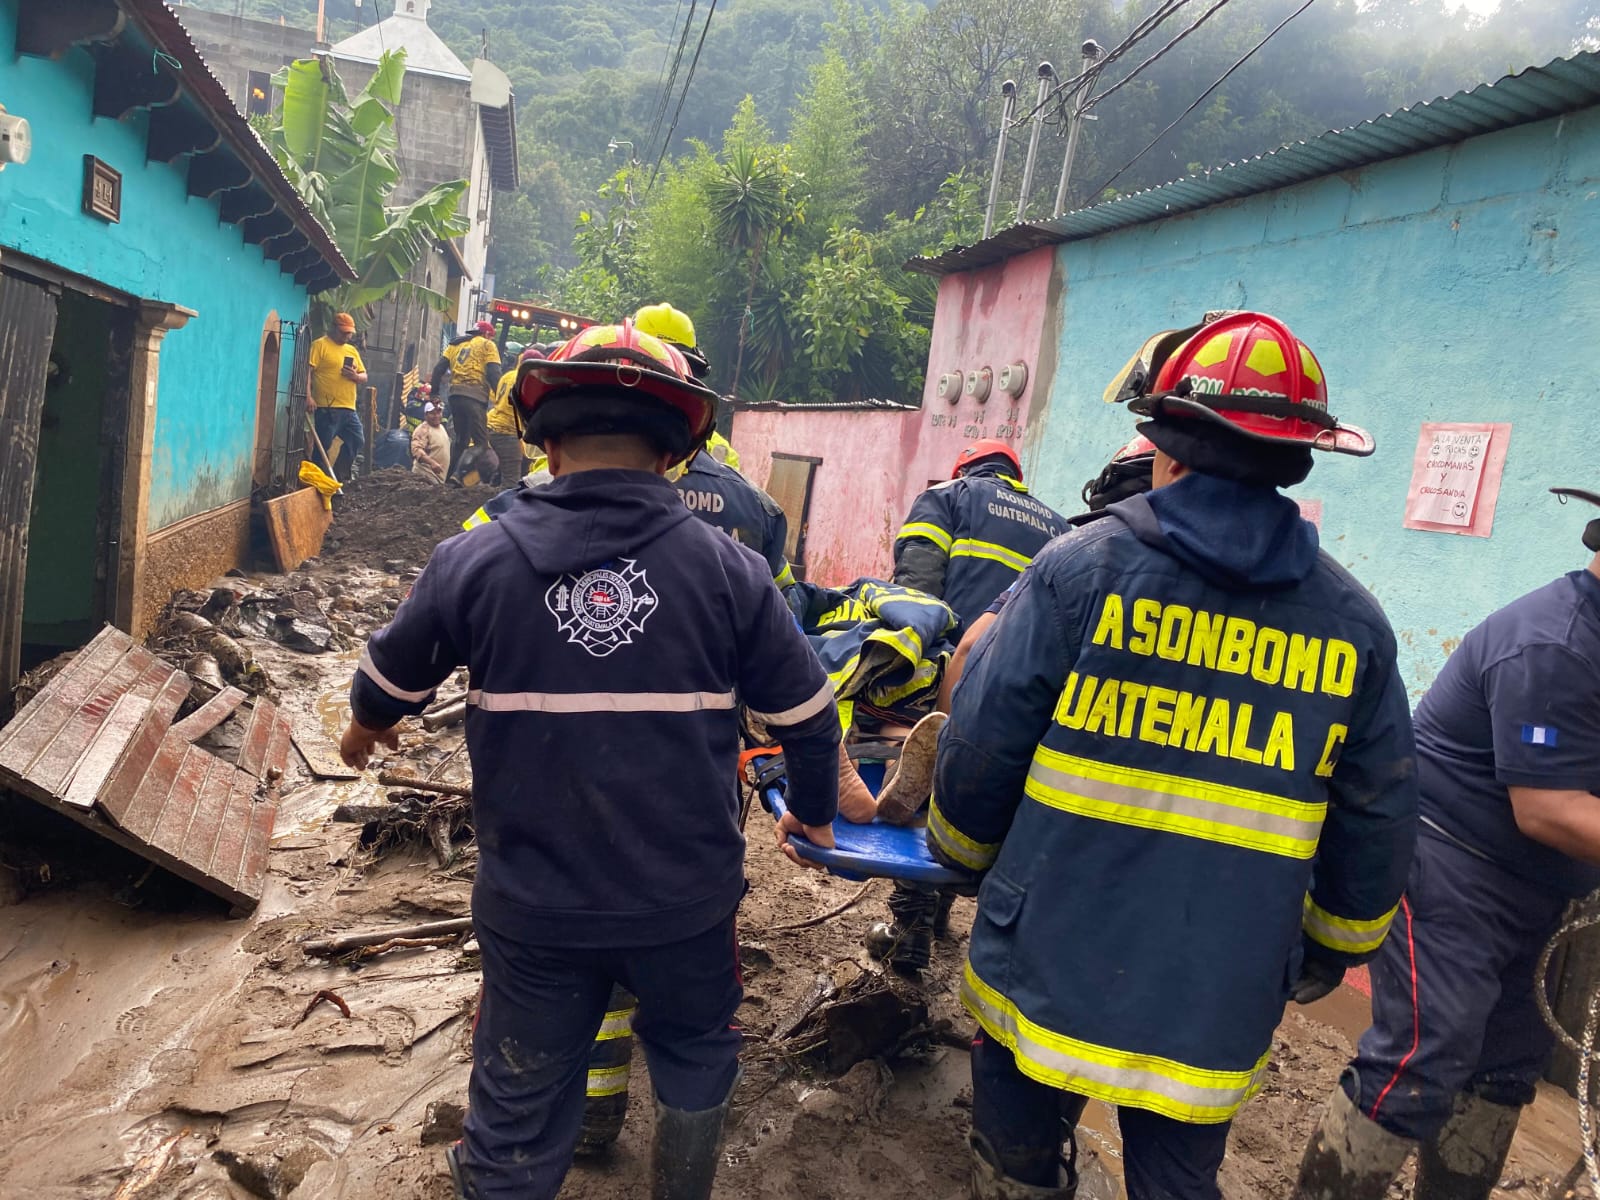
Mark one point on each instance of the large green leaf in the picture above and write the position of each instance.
(309, 117)
(356, 196)
(386, 80)
(409, 232)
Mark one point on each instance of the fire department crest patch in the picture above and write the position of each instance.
(604, 608)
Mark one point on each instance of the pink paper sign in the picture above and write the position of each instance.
(1455, 477)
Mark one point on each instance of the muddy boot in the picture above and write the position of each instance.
(990, 1183)
(856, 803)
(1350, 1157)
(687, 1147)
(904, 795)
(941, 915)
(460, 1184)
(605, 1100)
(907, 943)
(1465, 1160)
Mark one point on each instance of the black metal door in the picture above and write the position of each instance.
(27, 326)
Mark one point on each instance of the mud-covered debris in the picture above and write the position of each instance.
(272, 1176)
(870, 1018)
(442, 1122)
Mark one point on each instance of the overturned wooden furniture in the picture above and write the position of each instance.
(296, 525)
(98, 744)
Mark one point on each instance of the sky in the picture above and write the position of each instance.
(1480, 7)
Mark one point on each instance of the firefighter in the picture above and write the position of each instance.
(501, 422)
(472, 364)
(597, 613)
(1508, 764)
(1183, 708)
(966, 540)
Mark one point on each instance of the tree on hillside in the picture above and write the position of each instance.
(341, 157)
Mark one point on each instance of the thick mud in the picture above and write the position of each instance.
(149, 1043)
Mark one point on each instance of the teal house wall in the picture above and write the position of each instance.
(169, 246)
(1460, 284)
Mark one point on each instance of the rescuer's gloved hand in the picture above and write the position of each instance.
(1317, 979)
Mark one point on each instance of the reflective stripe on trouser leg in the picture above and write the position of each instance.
(605, 1104)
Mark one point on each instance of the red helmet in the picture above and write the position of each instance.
(986, 448)
(1140, 447)
(485, 327)
(1248, 372)
(1127, 474)
(620, 358)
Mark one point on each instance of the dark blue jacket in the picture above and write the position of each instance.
(610, 639)
(965, 541)
(1183, 755)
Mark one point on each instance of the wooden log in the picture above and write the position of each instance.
(451, 714)
(324, 947)
(416, 783)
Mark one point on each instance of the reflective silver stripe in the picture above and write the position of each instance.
(367, 668)
(592, 702)
(800, 712)
(617, 1024)
(607, 1081)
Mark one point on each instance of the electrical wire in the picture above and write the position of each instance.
(672, 79)
(1154, 58)
(1201, 99)
(683, 95)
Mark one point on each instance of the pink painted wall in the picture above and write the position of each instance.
(875, 463)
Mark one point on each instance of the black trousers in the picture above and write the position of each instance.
(1026, 1122)
(1452, 993)
(537, 1019)
(469, 419)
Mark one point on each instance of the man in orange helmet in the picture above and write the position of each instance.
(1182, 765)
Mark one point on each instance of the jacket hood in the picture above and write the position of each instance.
(995, 468)
(1235, 535)
(580, 521)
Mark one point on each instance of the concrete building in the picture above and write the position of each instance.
(454, 122)
(1442, 261)
(155, 266)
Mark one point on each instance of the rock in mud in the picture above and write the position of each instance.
(442, 1122)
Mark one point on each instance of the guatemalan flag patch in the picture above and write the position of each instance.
(1538, 735)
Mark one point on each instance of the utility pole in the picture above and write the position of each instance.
(1077, 105)
(1046, 74)
(1008, 90)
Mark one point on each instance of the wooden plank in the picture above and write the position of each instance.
(150, 796)
(257, 736)
(277, 759)
(209, 715)
(253, 872)
(200, 841)
(50, 769)
(182, 799)
(153, 700)
(321, 755)
(43, 716)
(296, 525)
(228, 855)
(123, 785)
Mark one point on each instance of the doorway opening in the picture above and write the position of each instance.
(790, 485)
(267, 403)
(69, 569)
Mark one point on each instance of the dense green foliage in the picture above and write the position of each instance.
(821, 142)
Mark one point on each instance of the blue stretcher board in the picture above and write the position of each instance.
(867, 851)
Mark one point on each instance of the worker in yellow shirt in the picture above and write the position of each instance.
(472, 364)
(336, 372)
(504, 435)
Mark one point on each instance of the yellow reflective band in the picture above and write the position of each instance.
(617, 1024)
(785, 578)
(939, 537)
(975, 856)
(476, 519)
(1342, 933)
(1016, 485)
(1185, 1093)
(971, 548)
(925, 676)
(609, 1081)
(1173, 804)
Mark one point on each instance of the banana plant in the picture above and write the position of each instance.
(341, 155)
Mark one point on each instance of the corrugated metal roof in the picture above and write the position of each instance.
(1564, 85)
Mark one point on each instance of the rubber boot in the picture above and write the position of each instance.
(605, 1100)
(990, 1183)
(907, 944)
(856, 802)
(903, 796)
(1350, 1156)
(461, 1187)
(1464, 1162)
(941, 915)
(686, 1150)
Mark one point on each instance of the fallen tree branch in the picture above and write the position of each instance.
(439, 834)
(450, 714)
(403, 779)
(827, 916)
(324, 947)
(403, 943)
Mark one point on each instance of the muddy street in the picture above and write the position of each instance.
(152, 1045)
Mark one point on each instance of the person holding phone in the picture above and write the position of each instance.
(336, 372)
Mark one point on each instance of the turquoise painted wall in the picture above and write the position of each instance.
(168, 246)
(1462, 284)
